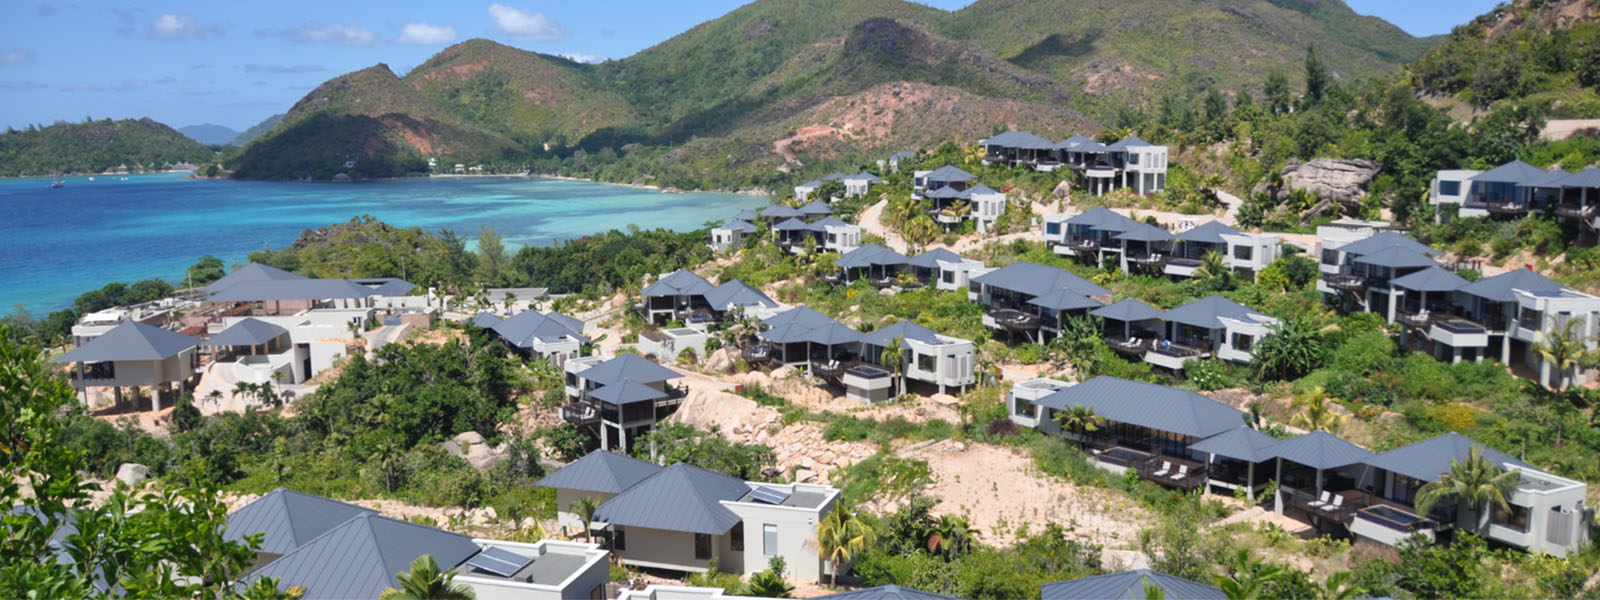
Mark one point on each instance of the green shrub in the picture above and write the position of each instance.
(1362, 352)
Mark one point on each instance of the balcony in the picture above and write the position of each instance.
(1084, 246)
(882, 282)
(1131, 346)
(833, 278)
(1346, 283)
(1419, 320)
(1458, 332)
(1575, 210)
(1153, 260)
(580, 414)
(1508, 209)
(1012, 319)
(756, 353)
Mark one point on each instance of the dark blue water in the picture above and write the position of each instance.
(58, 243)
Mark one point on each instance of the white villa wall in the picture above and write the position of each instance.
(1255, 329)
(953, 365)
(674, 550)
(147, 372)
(955, 275)
(1459, 176)
(797, 532)
(581, 585)
(986, 208)
(841, 239)
(724, 239)
(1263, 250)
(1032, 390)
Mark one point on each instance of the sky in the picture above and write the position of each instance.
(237, 62)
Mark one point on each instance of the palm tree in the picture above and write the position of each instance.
(1249, 576)
(215, 398)
(894, 357)
(586, 507)
(842, 535)
(951, 536)
(1316, 412)
(919, 231)
(1153, 591)
(1562, 347)
(245, 389)
(1079, 419)
(1341, 586)
(1472, 484)
(1213, 270)
(426, 582)
(958, 209)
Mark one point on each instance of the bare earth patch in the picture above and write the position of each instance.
(999, 490)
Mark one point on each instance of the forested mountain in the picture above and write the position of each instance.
(777, 84)
(257, 130)
(209, 134)
(1544, 53)
(96, 147)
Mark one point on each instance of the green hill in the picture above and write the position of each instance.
(96, 147)
(257, 130)
(1540, 53)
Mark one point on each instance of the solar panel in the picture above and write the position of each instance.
(769, 495)
(499, 561)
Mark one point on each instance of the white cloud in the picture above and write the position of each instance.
(180, 26)
(328, 33)
(80, 87)
(593, 59)
(425, 34)
(127, 85)
(16, 56)
(523, 24)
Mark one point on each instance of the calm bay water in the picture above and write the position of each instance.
(58, 243)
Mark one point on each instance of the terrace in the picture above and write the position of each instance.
(1012, 319)
(1348, 283)
(1576, 210)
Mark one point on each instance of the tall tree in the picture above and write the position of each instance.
(1079, 419)
(491, 255)
(1316, 412)
(1277, 93)
(1316, 77)
(1293, 349)
(426, 581)
(1473, 485)
(894, 357)
(586, 507)
(842, 535)
(1562, 348)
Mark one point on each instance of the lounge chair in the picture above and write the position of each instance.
(1183, 471)
(1320, 502)
(1166, 467)
(1338, 501)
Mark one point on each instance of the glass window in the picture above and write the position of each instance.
(702, 546)
(949, 276)
(1449, 188)
(1052, 229)
(1241, 342)
(1516, 518)
(769, 539)
(1330, 257)
(619, 538)
(1243, 252)
(927, 362)
(736, 537)
(1024, 408)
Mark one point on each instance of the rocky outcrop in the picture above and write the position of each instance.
(1341, 180)
(132, 473)
(472, 447)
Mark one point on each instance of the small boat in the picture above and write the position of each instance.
(58, 183)
(91, 179)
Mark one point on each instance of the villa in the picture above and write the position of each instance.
(876, 264)
(854, 361)
(946, 270)
(1021, 148)
(803, 191)
(826, 235)
(94, 324)
(893, 162)
(332, 550)
(858, 185)
(676, 296)
(1090, 236)
(1032, 299)
(730, 235)
(1211, 327)
(882, 592)
(955, 199)
(619, 399)
(1246, 254)
(1099, 233)
(1184, 440)
(552, 336)
(1517, 188)
(136, 355)
(924, 182)
(601, 475)
(682, 517)
(260, 352)
(939, 361)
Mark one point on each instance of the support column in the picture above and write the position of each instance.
(1391, 295)
(1277, 495)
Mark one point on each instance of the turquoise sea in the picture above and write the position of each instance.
(58, 243)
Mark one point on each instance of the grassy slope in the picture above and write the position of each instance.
(96, 146)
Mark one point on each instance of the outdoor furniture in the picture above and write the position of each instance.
(1183, 471)
(1166, 467)
(1320, 502)
(1338, 501)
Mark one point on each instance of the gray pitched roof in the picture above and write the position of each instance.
(1020, 139)
(529, 325)
(625, 392)
(1063, 299)
(1128, 585)
(903, 154)
(931, 258)
(737, 293)
(1499, 288)
(1239, 443)
(1383, 240)
(628, 366)
(868, 256)
(1127, 309)
(600, 471)
(486, 319)
(1427, 459)
(981, 189)
(1144, 232)
(949, 174)
(824, 223)
(816, 207)
(803, 316)
(786, 333)
(288, 519)
(247, 332)
(792, 224)
(1037, 280)
(745, 215)
(681, 497)
(886, 592)
(1587, 178)
(294, 289)
(740, 226)
(1210, 232)
(908, 330)
(682, 282)
(1395, 257)
(833, 334)
(1320, 450)
(1148, 405)
(1207, 312)
(864, 176)
(1431, 279)
(1103, 219)
(386, 286)
(360, 557)
(948, 193)
(131, 340)
(1074, 142)
(779, 211)
(1547, 179)
(251, 272)
(1124, 143)
(1515, 171)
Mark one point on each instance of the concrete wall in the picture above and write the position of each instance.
(179, 367)
(953, 364)
(595, 573)
(797, 533)
(673, 550)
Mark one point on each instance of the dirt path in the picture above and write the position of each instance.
(871, 221)
(1230, 217)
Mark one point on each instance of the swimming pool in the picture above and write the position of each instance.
(1126, 457)
(1393, 518)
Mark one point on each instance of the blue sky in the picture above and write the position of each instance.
(234, 63)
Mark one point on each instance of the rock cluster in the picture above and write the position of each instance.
(1335, 181)
(799, 447)
(475, 450)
